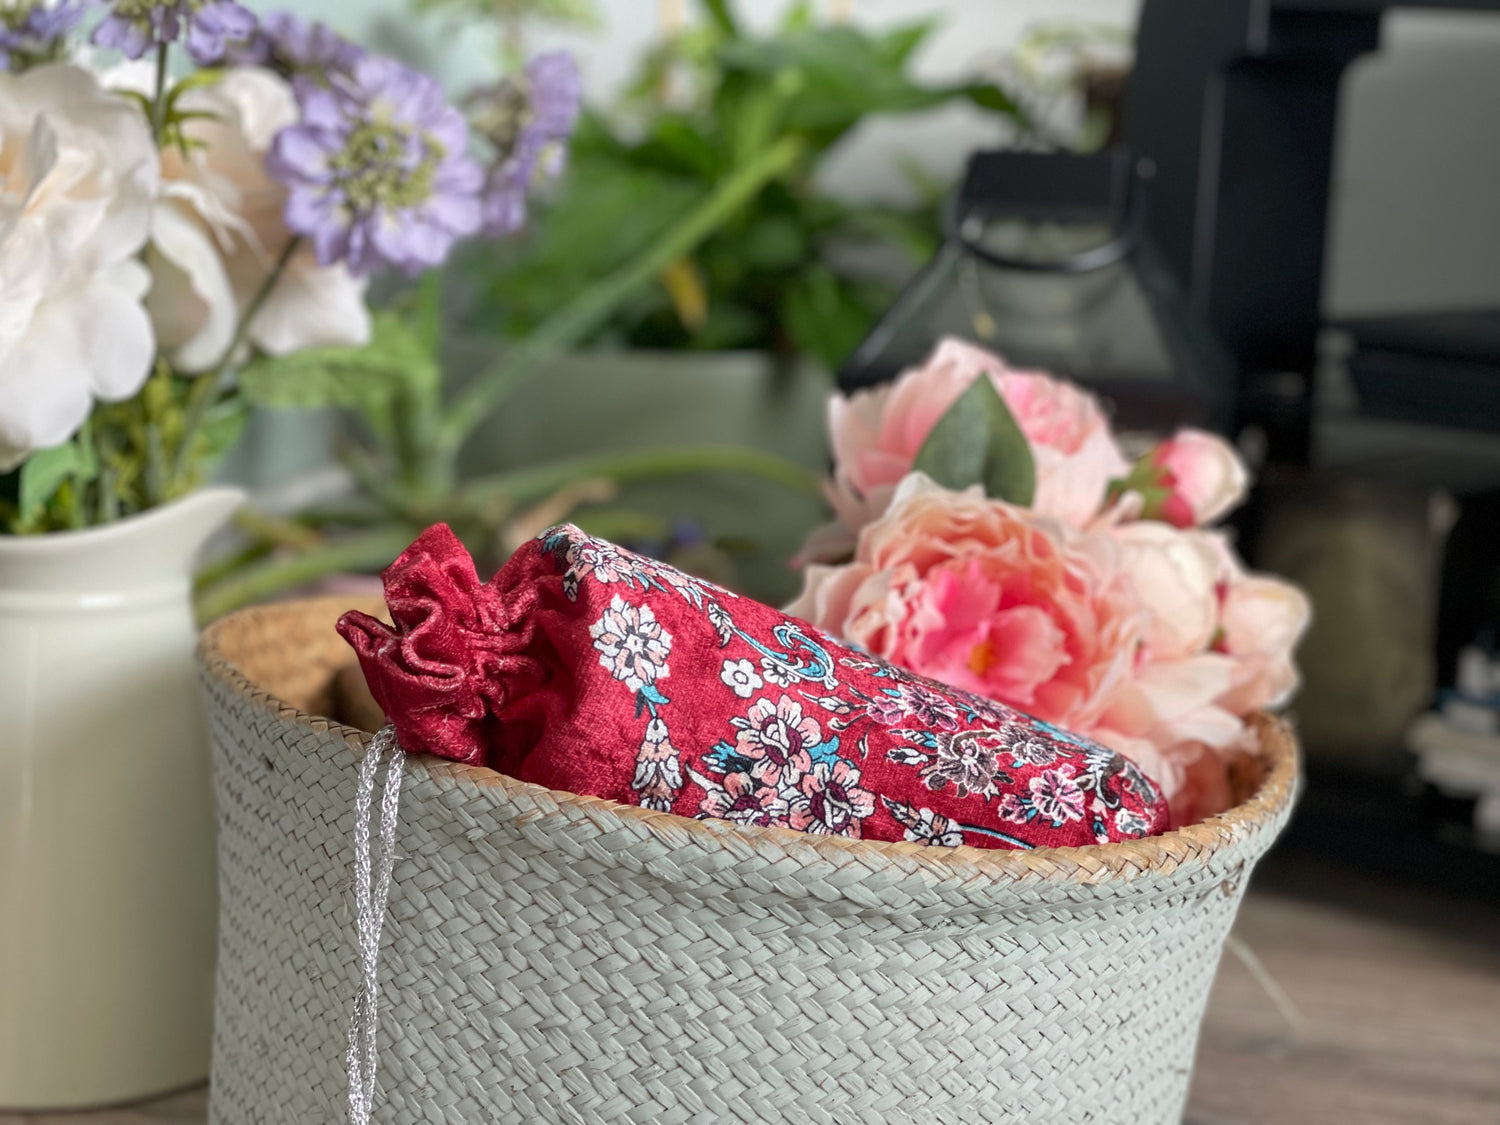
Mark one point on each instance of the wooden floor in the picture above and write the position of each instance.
(1399, 996)
(1396, 1020)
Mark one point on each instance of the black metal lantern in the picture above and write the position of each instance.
(1045, 261)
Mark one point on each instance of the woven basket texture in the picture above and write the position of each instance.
(555, 958)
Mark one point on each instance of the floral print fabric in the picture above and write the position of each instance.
(582, 666)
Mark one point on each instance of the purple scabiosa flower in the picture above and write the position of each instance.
(209, 27)
(34, 33)
(505, 193)
(527, 124)
(291, 45)
(378, 171)
(555, 90)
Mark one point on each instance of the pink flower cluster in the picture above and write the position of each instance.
(1106, 607)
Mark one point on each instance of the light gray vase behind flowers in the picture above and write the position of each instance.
(107, 901)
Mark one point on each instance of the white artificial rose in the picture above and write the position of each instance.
(78, 173)
(219, 232)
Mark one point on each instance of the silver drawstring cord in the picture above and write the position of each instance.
(372, 889)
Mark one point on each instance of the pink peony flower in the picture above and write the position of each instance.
(1148, 638)
(988, 597)
(1260, 621)
(1203, 475)
(1219, 647)
(1075, 452)
(1167, 703)
(1176, 574)
(877, 433)
(1193, 777)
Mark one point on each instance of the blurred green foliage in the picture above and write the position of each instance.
(512, 13)
(409, 430)
(791, 273)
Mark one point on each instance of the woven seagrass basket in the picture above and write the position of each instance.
(554, 958)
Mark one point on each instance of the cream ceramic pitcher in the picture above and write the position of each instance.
(106, 820)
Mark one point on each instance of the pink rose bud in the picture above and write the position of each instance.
(1193, 478)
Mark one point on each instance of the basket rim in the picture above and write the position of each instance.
(1093, 863)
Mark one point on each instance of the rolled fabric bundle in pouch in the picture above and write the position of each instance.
(584, 667)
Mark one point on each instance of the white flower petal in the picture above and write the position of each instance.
(313, 307)
(224, 189)
(78, 176)
(1176, 688)
(42, 400)
(115, 332)
(191, 302)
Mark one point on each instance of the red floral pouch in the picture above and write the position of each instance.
(584, 667)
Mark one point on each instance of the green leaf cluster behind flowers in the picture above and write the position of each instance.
(61, 473)
(374, 381)
(408, 466)
(705, 102)
(124, 460)
(512, 15)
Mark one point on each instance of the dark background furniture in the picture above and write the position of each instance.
(1235, 103)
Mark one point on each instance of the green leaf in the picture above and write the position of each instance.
(622, 525)
(193, 80)
(750, 109)
(844, 75)
(775, 242)
(609, 209)
(675, 145)
(994, 99)
(427, 315)
(823, 315)
(730, 326)
(46, 470)
(626, 186)
(370, 379)
(222, 427)
(977, 441)
(563, 13)
(591, 309)
(721, 15)
(915, 232)
(798, 16)
(898, 44)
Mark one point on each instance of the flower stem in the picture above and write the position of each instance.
(526, 486)
(77, 516)
(275, 531)
(364, 552)
(156, 465)
(108, 508)
(109, 495)
(591, 308)
(159, 98)
(513, 39)
(209, 387)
